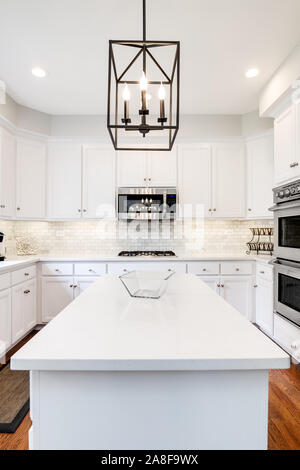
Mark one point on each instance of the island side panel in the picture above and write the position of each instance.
(150, 410)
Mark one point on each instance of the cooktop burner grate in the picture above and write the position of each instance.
(147, 253)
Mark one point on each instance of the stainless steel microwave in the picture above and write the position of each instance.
(147, 203)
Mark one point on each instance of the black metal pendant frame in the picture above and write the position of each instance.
(144, 48)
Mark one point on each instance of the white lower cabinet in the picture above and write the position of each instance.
(23, 314)
(57, 293)
(237, 291)
(213, 282)
(264, 305)
(82, 283)
(5, 318)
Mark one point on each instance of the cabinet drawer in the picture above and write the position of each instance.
(4, 281)
(57, 269)
(89, 269)
(23, 275)
(238, 267)
(120, 268)
(264, 272)
(287, 334)
(204, 268)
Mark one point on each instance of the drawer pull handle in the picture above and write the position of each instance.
(218, 285)
(91, 271)
(295, 344)
(261, 272)
(71, 285)
(222, 285)
(255, 286)
(26, 274)
(57, 270)
(293, 165)
(27, 291)
(125, 270)
(74, 286)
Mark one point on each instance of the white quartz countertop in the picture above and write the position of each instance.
(189, 328)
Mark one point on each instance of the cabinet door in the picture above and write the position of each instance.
(64, 181)
(7, 173)
(237, 291)
(31, 179)
(295, 170)
(212, 281)
(229, 180)
(17, 314)
(98, 182)
(57, 293)
(132, 168)
(285, 145)
(260, 176)
(264, 305)
(194, 180)
(82, 283)
(162, 168)
(5, 320)
(29, 305)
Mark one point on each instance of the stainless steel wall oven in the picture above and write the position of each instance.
(287, 250)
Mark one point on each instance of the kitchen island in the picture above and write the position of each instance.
(183, 372)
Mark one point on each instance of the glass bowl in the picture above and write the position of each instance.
(146, 284)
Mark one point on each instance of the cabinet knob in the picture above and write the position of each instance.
(18, 208)
(249, 209)
(91, 271)
(237, 269)
(209, 210)
(27, 291)
(125, 270)
(84, 210)
(204, 270)
(218, 285)
(71, 285)
(57, 270)
(79, 210)
(261, 272)
(215, 210)
(74, 286)
(149, 179)
(145, 179)
(255, 286)
(222, 285)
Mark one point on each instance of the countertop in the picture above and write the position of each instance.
(189, 328)
(21, 261)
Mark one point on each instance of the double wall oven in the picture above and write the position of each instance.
(287, 250)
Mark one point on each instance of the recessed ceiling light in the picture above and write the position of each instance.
(38, 72)
(251, 73)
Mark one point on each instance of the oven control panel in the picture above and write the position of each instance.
(288, 192)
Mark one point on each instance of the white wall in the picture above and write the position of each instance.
(252, 124)
(280, 83)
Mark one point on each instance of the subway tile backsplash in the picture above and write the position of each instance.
(110, 237)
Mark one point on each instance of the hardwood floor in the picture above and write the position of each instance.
(284, 413)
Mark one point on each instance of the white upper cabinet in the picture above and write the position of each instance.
(64, 181)
(162, 168)
(7, 173)
(98, 191)
(228, 180)
(260, 176)
(287, 145)
(194, 180)
(132, 168)
(147, 168)
(31, 179)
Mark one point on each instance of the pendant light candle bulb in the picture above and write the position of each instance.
(162, 92)
(126, 93)
(143, 82)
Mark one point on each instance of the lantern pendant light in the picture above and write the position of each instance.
(152, 71)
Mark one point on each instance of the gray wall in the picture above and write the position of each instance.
(191, 126)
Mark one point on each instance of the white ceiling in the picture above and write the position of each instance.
(220, 40)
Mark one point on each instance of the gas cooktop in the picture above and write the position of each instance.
(147, 253)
